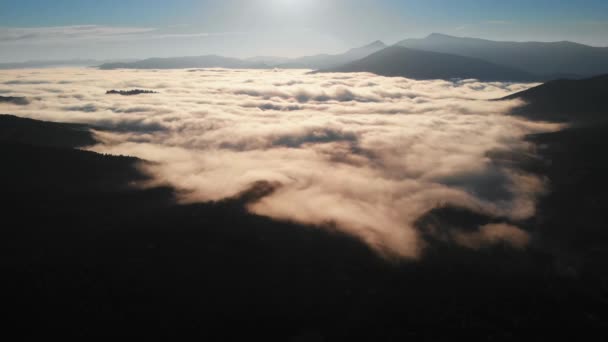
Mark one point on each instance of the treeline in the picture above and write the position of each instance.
(130, 92)
(53, 134)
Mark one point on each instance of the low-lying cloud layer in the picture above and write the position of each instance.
(364, 154)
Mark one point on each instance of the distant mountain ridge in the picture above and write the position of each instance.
(59, 63)
(436, 56)
(549, 60)
(209, 61)
(422, 65)
(214, 61)
(324, 61)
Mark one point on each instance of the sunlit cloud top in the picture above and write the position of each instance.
(366, 154)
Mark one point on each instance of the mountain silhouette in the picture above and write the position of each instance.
(43, 133)
(210, 61)
(422, 65)
(320, 61)
(550, 60)
(59, 63)
(324, 61)
(566, 100)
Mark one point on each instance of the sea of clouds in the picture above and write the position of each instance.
(364, 154)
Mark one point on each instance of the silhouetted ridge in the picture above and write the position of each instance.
(130, 92)
(210, 61)
(324, 61)
(566, 100)
(548, 60)
(422, 65)
(21, 130)
(57, 63)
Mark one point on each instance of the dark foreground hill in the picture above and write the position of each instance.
(566, 100)
(86, 255)
(549, 60)
(423, 65)
(21, 130)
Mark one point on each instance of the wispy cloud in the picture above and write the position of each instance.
(497, 22)
(193, 35)
(94, 33)
(79, 32)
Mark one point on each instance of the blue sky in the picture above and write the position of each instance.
(102, 29)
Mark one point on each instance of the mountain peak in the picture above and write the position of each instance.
(436, 35)
(377, 44)
(546, 59)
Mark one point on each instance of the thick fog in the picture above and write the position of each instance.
(363, 154)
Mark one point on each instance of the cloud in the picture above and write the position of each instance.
(497, 22)
(75, 32)
(25, 82)
(195, 35)
(95, 33)
(363, 154)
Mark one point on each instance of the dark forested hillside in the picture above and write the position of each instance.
(86, 254)
(21, 130)
(580, 101)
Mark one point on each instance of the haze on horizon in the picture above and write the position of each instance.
(69, 29)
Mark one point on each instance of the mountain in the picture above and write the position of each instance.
(548, 59)
(566, 100)
(43, 133)
(261, 62)
(210, 61)
(324, 61)
(57, 63)
(86, 254)
(417, 64)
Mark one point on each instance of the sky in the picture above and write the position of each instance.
(110, 29)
